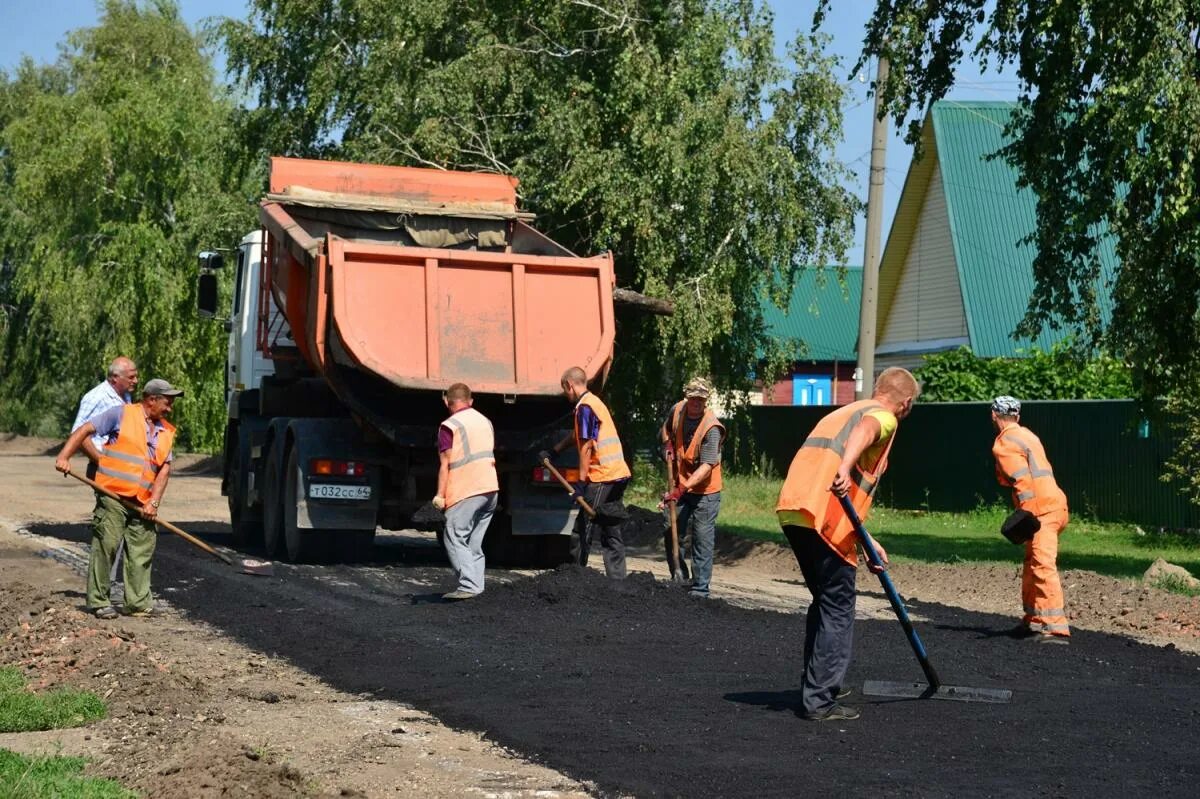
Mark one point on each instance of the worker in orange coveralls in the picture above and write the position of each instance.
(1021, 464)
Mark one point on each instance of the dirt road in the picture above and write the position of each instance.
(350, 679)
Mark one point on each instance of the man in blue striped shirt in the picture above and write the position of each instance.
(115, 391)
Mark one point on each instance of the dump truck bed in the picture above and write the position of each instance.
(415, 279)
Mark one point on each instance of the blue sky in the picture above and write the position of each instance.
(36, 27)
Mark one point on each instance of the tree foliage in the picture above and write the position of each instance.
(114, 162)
(961, 376)
(1106, 133)
(666, 131)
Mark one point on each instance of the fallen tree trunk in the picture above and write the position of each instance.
(635, 301)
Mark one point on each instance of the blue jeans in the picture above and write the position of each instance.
(701, 511)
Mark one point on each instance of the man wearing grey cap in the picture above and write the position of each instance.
(135, 465)
(692, 439)
(1022, 465)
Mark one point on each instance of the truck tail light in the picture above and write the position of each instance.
(542, 475)
(328, 466)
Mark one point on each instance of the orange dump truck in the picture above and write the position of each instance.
(368, 291)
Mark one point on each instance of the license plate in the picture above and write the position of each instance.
(332, 491)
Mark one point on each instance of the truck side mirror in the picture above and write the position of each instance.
(206, 295)
(210, 260)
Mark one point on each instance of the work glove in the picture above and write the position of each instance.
(674, 494)
(439, 502)
(578, 493)
(545, 455)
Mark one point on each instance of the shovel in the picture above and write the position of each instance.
(260, 568)
(933, 689)
(609, 513)
(674, 559)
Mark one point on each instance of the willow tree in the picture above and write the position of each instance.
(113, 164)
(667, 131)
(1106, 133)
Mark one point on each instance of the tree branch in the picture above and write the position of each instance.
(636, 301)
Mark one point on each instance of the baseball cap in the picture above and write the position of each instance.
(1006, 405)
(160, 386)
(697, 387)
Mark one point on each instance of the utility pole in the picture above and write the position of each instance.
(869, 307)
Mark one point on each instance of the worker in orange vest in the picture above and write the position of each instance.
(467, 488)
(135, 464)
(603, 472)
(1021, 464)
(692, 438)
(845, 454)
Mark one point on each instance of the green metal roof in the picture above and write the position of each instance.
(989, 216)
(821, 316)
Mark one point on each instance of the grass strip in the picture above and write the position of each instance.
(22, 711)
(24, 777)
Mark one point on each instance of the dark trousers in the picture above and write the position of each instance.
(612, 545)
(829, 626)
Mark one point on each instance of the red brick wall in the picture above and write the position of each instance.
(843, 391)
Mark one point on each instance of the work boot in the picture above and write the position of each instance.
(457, 596)
(842, 693)
(1049, 638)
(143, 613)
(105, 613)
(836, 713)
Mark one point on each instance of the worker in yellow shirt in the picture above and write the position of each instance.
(844, 455)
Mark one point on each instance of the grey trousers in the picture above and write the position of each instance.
(466, 523)
(829, 625)
(701, 510)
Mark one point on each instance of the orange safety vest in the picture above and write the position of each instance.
(125, 467)
(1021, 463)
(689, 458)
(814, 468)
(608, 459)
(472, 457)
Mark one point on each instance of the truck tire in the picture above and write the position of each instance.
(300, 546)
(246, 522)
(272, 504)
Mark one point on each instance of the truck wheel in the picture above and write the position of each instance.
(302, 546)
(272, 505)
(246, 522)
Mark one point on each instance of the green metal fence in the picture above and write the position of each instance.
(1105, 456)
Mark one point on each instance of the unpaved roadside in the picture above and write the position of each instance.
(193, 713)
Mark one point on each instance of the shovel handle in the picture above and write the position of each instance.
(570, 488)
(671, 508)
(191, 539)
(892, 594)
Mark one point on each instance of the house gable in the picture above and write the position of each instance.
(925, 311)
